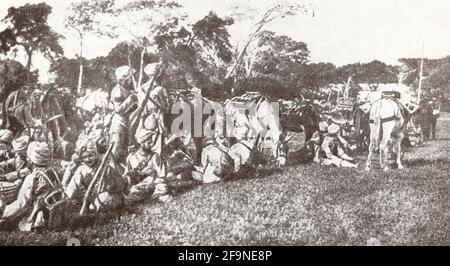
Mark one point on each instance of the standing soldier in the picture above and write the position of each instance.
(217, 163)
(159, 103)
(145, 171)
(124, 102)
(242, 153)
(109, 189)
(436, 109)
(197, 109)
(30, 206)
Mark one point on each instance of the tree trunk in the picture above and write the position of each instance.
(80, 91)
(4, 115)
(141, 69)
(30, 55)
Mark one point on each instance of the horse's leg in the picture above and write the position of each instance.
(399, 140)
(384, 145)
(373, 140)
(369, 157)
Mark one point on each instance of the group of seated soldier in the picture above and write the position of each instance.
(30, 176)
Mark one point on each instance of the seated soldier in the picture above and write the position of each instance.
(145, 171)
(18, 162)
(242, 153)
(6, 136)
(216, 162)
(333, 152)
(109, 190)
(30, 205)
(13, 171)
(316, 140)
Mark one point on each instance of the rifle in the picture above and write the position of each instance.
(147, 98)
(94, 180)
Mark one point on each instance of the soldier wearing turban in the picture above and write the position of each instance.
(242, 153)
(217, 163)
(6, 136)
(36, 186)
(124, 102)
(18, 162)
(145, 170)
(109, 190)
(333, 152)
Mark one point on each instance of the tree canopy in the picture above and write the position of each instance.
(28, 28)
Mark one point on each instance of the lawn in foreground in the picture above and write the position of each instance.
(296, 205)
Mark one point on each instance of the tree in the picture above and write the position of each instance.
(139, 22)
(28, 29)
(278, 54)
(372, 73)
(65, 70)
(83, 19)
(265, 17)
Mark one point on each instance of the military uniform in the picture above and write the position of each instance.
(242, 155)
(123, 104)
(109, 192)
(145, 171)
(14, 170)
(146, 174)
(333, 152)
(217, 164)
(6, 136)
(30, 205)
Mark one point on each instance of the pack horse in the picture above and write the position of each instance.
(387, 126)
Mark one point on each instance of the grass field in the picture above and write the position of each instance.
(295, 205)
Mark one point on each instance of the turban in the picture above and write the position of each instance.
(123, 72)
(241, 131)
(39, 153)
(150, 69)
(144, 135)
(20, 144)
(323, 126)
(196, 90)
(338, 118)
(6, 136)
(333, 129)
(89, 147)
(151, 123)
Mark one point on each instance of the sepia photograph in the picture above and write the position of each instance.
(257, 123)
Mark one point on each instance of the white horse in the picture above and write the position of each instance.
(262, 117)
(387, 126)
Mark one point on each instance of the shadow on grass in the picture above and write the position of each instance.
(424, 162)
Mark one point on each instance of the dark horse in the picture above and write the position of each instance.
(38, 113)
(361, 126)
(300, 118)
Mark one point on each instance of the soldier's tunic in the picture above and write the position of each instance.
(109, 192)
(28, 205)
(241, 153)
(333, 152)
(5, 151)
(217, 164)
(123, 104)
(6, 137)
(146, 174)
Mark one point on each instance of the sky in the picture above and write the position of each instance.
(340, 32)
